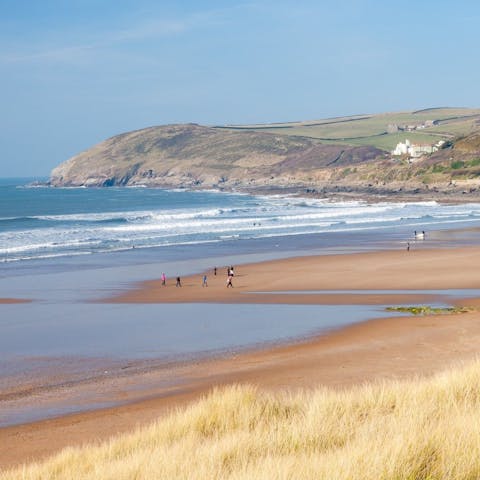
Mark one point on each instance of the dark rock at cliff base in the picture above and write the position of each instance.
(197, 157)
(194, 156)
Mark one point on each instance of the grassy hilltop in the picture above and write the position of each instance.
(373, 129)
(198, 156)
(341, 156)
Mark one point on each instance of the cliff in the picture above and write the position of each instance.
(204, 157)
(194, 156)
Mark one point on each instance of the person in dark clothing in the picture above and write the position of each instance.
(179, 283)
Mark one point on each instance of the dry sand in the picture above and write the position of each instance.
(373, 350)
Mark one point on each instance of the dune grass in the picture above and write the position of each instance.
(418, 429)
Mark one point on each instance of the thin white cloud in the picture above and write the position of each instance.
(92, 41)
(47, 54)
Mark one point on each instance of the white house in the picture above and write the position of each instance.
(415, 151)
(402, 148)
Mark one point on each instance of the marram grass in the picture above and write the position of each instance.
(418, 429)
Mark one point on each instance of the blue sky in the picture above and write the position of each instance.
(75, 72)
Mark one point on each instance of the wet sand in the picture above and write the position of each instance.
(8, 301)
(372, 350)
(260, 282)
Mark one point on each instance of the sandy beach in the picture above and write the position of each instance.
(330, 275)
(8, 301)
(370, 351)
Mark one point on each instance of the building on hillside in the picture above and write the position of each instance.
(393, 127)
(416, 151)
(402, 148)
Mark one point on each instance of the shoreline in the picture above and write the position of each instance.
(374, 350)
(8, 301)
(368, 351)
(446, 194)
(408, 224)
(316, 279)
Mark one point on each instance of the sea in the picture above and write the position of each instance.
(63, 249)
(39, 222)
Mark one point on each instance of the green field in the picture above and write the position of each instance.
(372, 129)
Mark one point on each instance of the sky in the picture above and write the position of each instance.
(75, 72)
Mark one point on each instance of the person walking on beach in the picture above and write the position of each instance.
(408, 246)
(215, 271)
(204, 282)
(179, 283)
(164, 279)
(229, 281)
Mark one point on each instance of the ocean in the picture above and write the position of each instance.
(65, 248)
(42, 222)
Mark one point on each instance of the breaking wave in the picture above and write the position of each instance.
(90, 221)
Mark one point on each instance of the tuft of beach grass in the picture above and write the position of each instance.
(418, 429)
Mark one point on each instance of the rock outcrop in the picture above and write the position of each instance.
(197, 157)
(203, 157)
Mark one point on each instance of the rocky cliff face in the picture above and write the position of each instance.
(203, 157)
(193, 156)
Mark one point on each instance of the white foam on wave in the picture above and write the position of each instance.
(375, 220)
(95, 217)
(75, 243)
(248, 217)
(341, 213)
(142, 215)
(12, 218)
